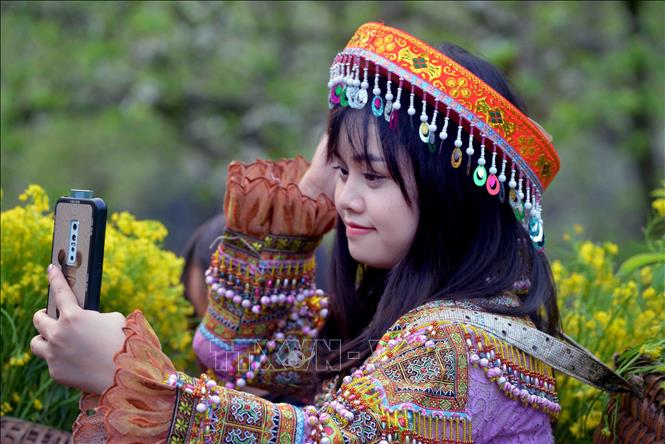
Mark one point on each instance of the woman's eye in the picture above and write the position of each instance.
(341, 171)
(373, 177)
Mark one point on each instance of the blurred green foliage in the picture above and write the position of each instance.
(147, 102)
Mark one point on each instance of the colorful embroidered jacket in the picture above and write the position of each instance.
(428, 380)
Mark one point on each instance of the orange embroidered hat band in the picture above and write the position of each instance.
(526, 159)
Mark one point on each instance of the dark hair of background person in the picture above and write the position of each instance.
(197, 254)
(468, 245)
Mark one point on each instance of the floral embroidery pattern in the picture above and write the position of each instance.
(384, 43)
(458, 88)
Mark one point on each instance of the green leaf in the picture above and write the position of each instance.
(639, 261)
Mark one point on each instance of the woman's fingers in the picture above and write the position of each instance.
(43, 323)
(65, 299)
(39, 347)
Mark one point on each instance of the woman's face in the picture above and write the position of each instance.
(380, 225)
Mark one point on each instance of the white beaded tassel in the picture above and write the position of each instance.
(423, 114)
(377, 90)
(534, 208)
(443, 135)
(432, 125)
(458, 141)
(348, 78)
(412, 110)
(512, 184)
(527, 203)
(397, 105)
(520, 194)
(332, 75)
(365, 84)
(389, 93)
(502, 175)
(493, 169)
(481, 160)
(355, 75)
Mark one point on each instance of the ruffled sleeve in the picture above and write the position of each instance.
(263, 198)
(263, 305)
(138, 406)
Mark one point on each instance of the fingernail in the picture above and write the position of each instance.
(49, 268)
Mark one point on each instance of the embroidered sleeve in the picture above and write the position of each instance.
(263, 306)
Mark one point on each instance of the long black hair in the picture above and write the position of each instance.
(467, 245)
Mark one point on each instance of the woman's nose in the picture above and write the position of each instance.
(348, 197)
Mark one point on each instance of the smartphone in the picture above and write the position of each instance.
(79, 230)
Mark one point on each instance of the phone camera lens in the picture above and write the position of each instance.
(74, 226)
(71, 258)
(73, 237)
(72, 249)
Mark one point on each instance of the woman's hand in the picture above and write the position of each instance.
(78, 346)
(319, 177)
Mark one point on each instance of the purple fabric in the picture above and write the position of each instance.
(214, 357)
(496, 418)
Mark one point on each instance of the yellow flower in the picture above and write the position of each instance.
(646, 275)
(586, 252)
(5, 408)
(566, 237)
(20, 360)
(557, 270)
(38, 404)
(602, 317)
(579, 229)
(611, 248)
(659, 206)
(653, 350)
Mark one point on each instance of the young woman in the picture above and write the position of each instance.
(437, 269)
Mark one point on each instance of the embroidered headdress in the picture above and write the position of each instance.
(521, 151)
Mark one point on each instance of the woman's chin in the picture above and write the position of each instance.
(371, 260)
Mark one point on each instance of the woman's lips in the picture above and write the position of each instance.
(357, 230)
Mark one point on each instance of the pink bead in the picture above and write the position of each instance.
(483, 362)
(229, 294)
(236, 299)
(265, 300)
(429, 344)
(524, 395)
(245, 303)
(516, 391)
(474, 358)
(256, 309)
(249, 375)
